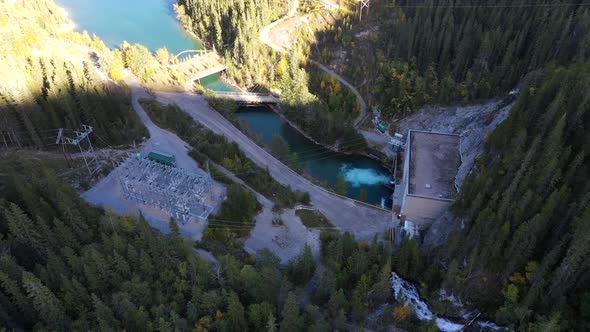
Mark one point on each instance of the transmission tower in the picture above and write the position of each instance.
(7, 131)
(363, 4)
(82, 141)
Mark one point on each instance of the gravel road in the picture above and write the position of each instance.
(346, 214)
(360, 98)
(267, 37)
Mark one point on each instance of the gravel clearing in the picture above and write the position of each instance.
(473, 123)
(108, 192)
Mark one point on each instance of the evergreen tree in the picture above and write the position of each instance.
(340, 186)
(235, 314)
(48, 307)
(531, 196)
(290, 314)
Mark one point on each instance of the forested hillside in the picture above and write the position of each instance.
(67, 267)
(49, 80)
(309, 99)
(412, 53)
(231, 27)
(522, 253)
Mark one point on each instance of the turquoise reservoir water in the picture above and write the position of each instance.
(149, 22)
(152, 23)
(215, 83)
(322, 164)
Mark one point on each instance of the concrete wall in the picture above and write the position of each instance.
(406, 176)
(423, 211)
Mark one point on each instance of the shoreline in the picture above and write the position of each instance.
(186, 29)
(323, 185)
(276, 109)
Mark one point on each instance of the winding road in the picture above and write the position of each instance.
(360, 98)
(264, 36)
(265, 32)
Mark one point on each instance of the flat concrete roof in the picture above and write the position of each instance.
(434, 162)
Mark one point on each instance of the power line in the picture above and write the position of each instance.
(223, 226)
(87, 150)
(252, 170)
(356, 140)
(316, 157)
(308, 157)
(450, 6)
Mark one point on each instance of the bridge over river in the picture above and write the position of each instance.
(198, 64)
(247, 97)
(207, 72)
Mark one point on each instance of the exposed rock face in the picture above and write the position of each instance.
(440, 230)
(473, 123)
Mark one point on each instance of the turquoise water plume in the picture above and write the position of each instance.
(358, 177)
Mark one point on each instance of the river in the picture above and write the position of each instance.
(321, 163)
(406, 292)
(153, 23)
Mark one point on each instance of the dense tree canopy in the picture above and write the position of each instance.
(416, 52)
(231, 27)
(67, 266)
(315, 102)
(520, 254)
(526, 209)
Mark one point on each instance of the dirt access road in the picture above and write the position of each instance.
(346, 214)
(278, 32)
(286, 240)
(360, 98)
(108, 194)
(265, 32)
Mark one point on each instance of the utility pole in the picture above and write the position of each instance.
(364, 4)
(82, 141)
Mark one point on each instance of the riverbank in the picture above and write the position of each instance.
(344, 212)
(316, 163)
(185, 27)
(334, 148)
(407, 292)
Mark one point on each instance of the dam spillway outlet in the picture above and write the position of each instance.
(358, 177)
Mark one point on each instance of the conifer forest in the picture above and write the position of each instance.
(274, 246)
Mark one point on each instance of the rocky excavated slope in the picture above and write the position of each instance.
(474, 123)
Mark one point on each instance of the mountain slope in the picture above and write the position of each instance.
(51, 79)
(526, 212)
